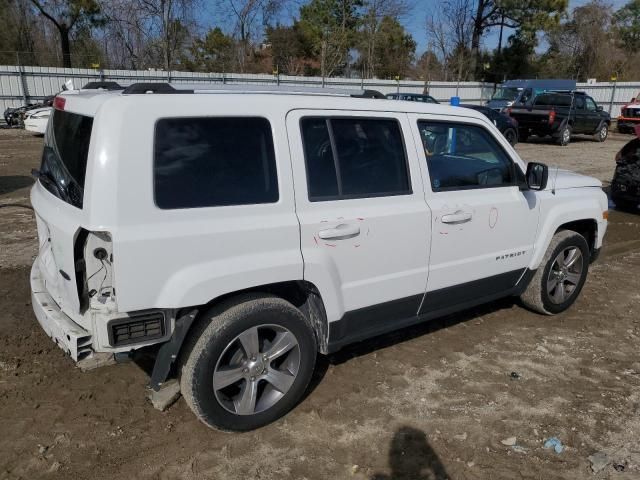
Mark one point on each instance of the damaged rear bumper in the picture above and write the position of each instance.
(68, 335)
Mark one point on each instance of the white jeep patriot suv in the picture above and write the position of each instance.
(246, 230)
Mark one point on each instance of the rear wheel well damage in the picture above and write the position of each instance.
(301, 294)
(588, 228)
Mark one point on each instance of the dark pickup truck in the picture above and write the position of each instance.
(561, 114)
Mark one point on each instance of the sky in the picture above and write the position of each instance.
(415, 23)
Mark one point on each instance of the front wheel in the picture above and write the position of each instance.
(511, 135)
(249, 363)
(561, 275)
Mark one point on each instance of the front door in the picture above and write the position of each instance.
(364, 222)
(483, 225)
(593, 116)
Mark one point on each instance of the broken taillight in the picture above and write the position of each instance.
(58, 103)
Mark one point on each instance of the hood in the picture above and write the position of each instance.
(495, 104)
(37, 111)
(560, 179)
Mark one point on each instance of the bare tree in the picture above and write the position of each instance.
(66, 15)
(374, 12)
(245, 15)
(450, 34)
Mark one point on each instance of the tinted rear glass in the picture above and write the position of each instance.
(206, 162)
(553, 99)
(64, 159)
(354, 158)
(72, 134)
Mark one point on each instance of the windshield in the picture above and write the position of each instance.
(505, 93)
(64, 159)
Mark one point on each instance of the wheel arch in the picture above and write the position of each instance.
(579, 214)
(301, 294)
(587, 227)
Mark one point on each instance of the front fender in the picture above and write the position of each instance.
(568, 205)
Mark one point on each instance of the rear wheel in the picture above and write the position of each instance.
(561, 275)
(602, 133)
(248, 363)
(511, 135)
(564, 136)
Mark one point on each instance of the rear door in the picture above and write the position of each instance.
(483, 226)
(365, 225)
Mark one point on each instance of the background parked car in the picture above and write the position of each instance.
(36, 120)
(521, 92)
(507, 125)
(15, 116)
(562, 114)
(629, 116)
(412, 97)
(625, 186)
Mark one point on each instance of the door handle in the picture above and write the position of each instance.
(457, 217)
(340, 232)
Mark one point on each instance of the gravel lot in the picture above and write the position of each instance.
(434, 401)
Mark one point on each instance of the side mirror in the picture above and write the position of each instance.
(599, 108)
(537, 176)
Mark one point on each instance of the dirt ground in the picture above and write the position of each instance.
(434, 401)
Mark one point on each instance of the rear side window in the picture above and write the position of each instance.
(553, 99)
(354, 158)
(214, 161)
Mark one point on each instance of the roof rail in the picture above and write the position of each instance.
(102, 86)
(144, 87)
(167, 88)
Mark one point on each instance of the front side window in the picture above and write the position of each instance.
(461, 156)
(214, 161)
(580, 103)
(591, 105)
(354, 158)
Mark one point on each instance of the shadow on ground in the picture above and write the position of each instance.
(11, 183)
(412, 458)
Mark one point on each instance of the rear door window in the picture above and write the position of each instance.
(354, 158)
(214, 161)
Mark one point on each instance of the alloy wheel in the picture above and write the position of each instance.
(565, 274)
(256, 369)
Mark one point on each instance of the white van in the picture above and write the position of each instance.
(247, 230)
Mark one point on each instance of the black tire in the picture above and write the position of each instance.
(537, 296)
(511, 135)
(564, 136)
(523, 135)
(217, 330)
(602, 133)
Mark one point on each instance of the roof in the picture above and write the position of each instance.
(87, 102)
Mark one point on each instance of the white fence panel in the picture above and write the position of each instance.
(32, 84)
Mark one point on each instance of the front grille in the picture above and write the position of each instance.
(137, 329)
(631, 112)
